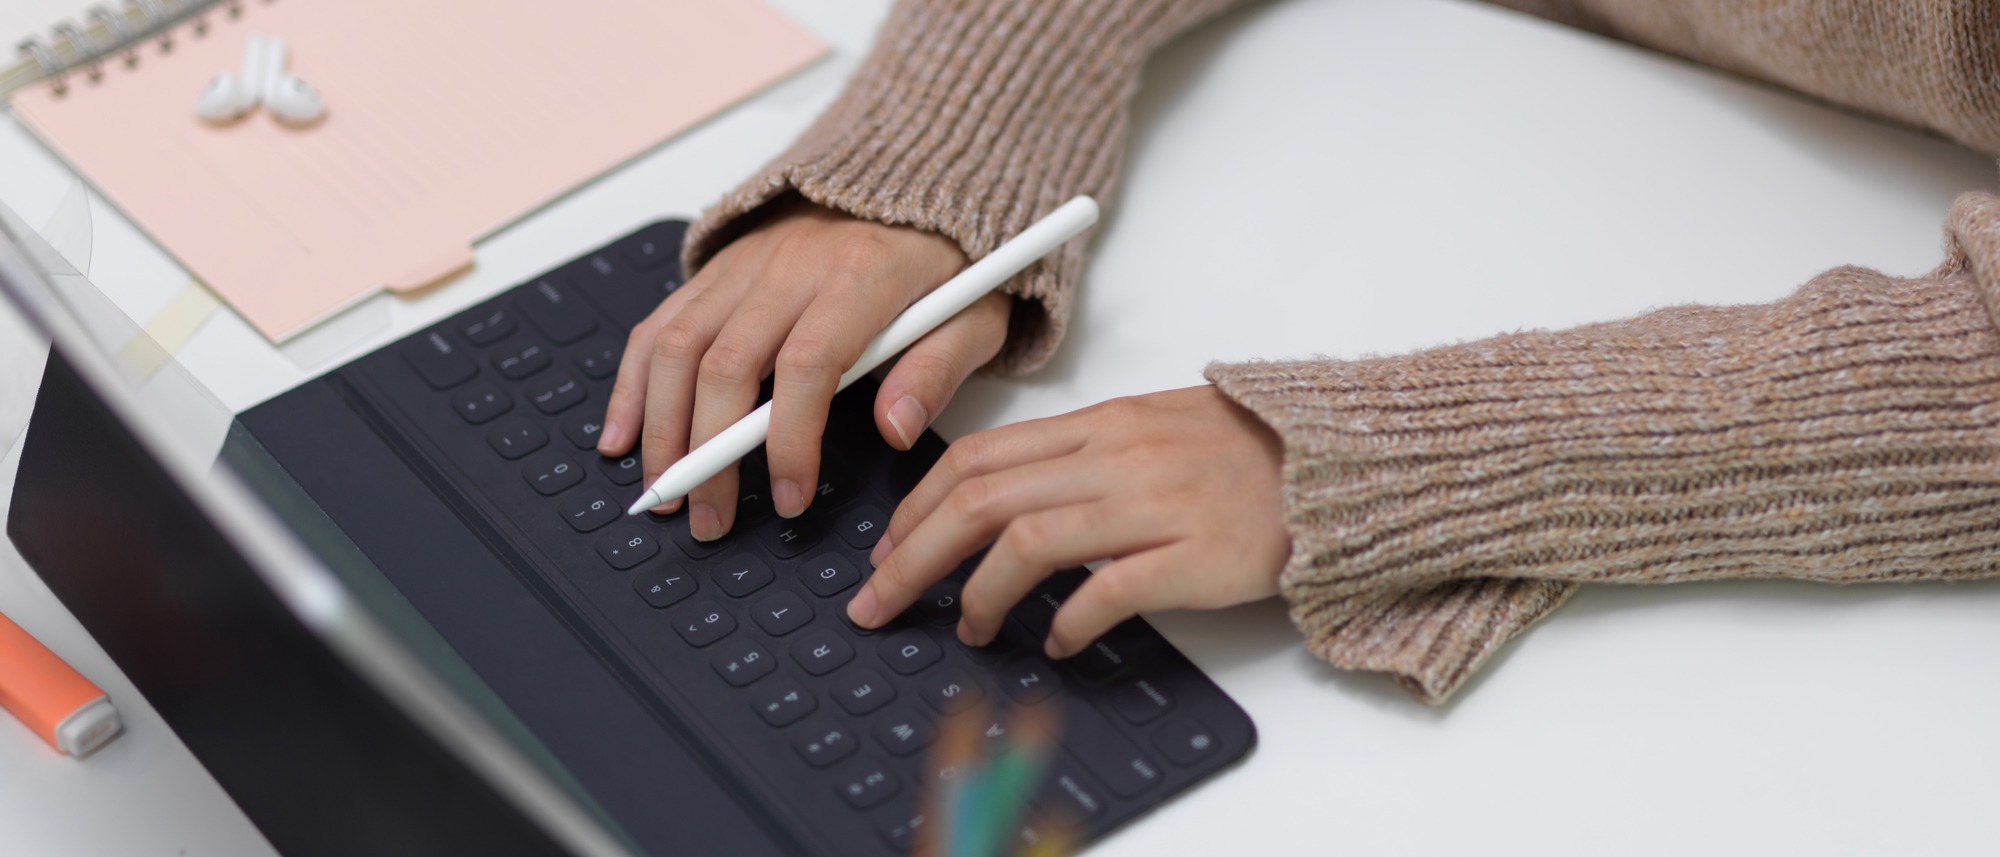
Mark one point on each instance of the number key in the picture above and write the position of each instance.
(626, 545)
(865, 783)
(702, 623)
(742, 662)
(590, 511)
(783, 702)
(665, 590)
(551, 473)
(824, 742)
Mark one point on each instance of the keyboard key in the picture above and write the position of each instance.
(953, 690)
(598, 358)
(862, 691)
(520, 360)
(1185, 741)
(627, 545)
(901, 830)
(903, 731)
(824, 742)
(783, 702)
(1112, 655)
(551, 473)
(741, 661)
(1106, 752)
(835, 486)
(651, 247)
(828, 574)
(489, 327)
(516, 437)
(666, 589)
(556, 312)
(820, 651)
(862, 526)
(481, 403)
(753, 504)
(1030, 680)
(787, 539)
(1000, 649)
(693, 547)
(865, 783)
(781, 614)
(438, 362)
(938, 606)
(1141, 701)
(909, 651)
(848, 623)
(1071, 794)
(1036, 614)
(590, 511)
(702, 623)
(742, 574)
(584, 429)
(555, 394)
(623, 470)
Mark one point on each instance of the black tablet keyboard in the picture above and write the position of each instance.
(744, 641)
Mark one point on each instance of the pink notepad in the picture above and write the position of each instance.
(447, 120)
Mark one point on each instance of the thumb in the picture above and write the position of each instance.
(931, 370)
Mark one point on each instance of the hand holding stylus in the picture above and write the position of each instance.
(803, 325)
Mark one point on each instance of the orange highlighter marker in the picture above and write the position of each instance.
(52, 697)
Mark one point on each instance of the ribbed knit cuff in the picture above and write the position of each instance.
(1934, 64)
(971, 119)
(1442, 501)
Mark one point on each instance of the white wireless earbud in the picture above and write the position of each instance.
(290, 100)
(227, 97)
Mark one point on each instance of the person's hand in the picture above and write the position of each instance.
(797, 298)
(1181, 489)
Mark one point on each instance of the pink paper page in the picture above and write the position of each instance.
(446, 120)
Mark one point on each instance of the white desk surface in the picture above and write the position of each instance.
(1344, 177)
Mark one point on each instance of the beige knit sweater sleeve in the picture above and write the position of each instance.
(971, 119)
(1442, 501)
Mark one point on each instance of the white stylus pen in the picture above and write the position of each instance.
(1038, 240)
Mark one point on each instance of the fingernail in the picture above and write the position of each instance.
(608, 437)
(704, 523)
(881, 551)
(908, 418)
(1054, 650)
(788, 498)
(668, 508)
(966, 636)
(862, 608)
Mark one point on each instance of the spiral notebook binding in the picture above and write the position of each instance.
(105, 32)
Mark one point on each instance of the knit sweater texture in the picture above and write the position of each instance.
(1441, 502)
